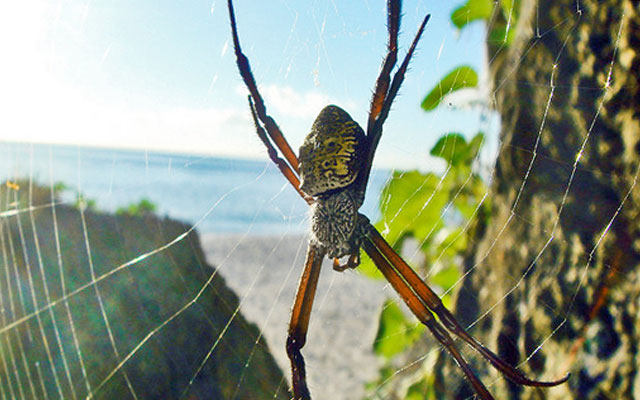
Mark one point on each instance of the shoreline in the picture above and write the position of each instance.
(264, 271)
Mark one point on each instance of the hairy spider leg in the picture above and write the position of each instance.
(384, 95)
(431, 300)
(261, 110)
(299, 322)
(384, 78)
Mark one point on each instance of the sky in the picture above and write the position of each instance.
(160, 75)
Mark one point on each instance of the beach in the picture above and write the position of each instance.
(264, 272)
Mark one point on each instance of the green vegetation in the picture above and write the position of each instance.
(58, 188)
(435, 212)
(144, 207)
(502, 13)
(84, 203)
(459, 78)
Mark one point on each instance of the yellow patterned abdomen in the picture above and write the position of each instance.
(332, 153)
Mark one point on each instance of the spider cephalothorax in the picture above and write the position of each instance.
(331, 155)
(330, 162)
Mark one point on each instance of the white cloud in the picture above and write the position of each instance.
(38, 106)
(287, 102)
(50, 112)
(64, 116)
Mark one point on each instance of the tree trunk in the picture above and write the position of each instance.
(554, 275)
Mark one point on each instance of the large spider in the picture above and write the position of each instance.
(331, 175)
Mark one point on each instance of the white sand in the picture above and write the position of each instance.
(264, 272)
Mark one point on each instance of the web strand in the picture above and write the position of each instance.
(38, 299)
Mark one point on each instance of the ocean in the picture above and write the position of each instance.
(217, 195)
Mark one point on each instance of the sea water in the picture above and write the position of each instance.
(216, 195)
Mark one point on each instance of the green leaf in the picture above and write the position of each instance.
(499, 34)
(446, 277)
(390, 339)
(368, 268)
(455, 150)
(421, 390)
(472, 11)
(395, 331)
(452, 147)
(511, 11)
(459, 78)
(411, 204)
(507, 6)
(475, 145)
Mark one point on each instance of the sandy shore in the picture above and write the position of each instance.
(264, 272)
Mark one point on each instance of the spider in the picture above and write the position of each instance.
(331, 175)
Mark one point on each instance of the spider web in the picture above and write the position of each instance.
(252, 225)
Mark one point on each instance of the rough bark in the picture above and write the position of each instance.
(557, 265)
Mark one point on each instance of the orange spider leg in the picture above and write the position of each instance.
(384, 94)
(423, 314)
(273, 155)
(247, 76)
(352, 262)
(384, 78)
(299, 323)
(431, 300)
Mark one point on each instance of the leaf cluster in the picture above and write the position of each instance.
(433, 211)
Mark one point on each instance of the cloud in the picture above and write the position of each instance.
(52, 112)
(70, 117)
(287, 102)
(41, 109)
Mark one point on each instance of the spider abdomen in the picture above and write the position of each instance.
(333, 223)
(331, 155)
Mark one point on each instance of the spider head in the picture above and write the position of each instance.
(331, 155)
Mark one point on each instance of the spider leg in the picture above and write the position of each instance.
(273, 155)
(384, 77)
(431, 300)
(424, 315)
(398, 78)
(247, 76)
(386, 88)
(299, 322)
(352, 262)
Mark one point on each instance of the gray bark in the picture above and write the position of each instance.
(557, 264)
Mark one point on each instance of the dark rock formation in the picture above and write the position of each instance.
(147, 278)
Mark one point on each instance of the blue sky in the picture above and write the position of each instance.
(160, 75)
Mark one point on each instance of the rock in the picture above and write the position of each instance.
(139, 310)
